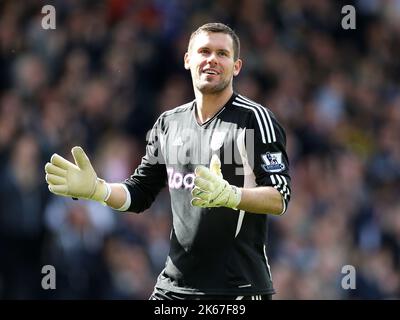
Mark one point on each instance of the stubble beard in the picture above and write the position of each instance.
(206, 88)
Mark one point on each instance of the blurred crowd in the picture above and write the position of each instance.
(102, 77)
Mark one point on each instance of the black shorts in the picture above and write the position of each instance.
(162, 294)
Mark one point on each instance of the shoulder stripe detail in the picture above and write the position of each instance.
(177, 109)
(264, 114)
(258, 120)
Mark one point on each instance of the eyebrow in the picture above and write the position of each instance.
(219, 50)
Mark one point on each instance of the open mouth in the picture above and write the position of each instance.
(210, 72)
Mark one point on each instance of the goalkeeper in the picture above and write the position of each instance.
(223, 158)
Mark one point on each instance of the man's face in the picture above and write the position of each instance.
(210, 60)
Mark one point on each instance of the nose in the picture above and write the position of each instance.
(212, 59)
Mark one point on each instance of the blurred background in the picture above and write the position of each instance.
(102, 77)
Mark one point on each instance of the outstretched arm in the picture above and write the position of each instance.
(211, 190)
(76, 180)
(120, 198)
(79, 181)
(261, 200)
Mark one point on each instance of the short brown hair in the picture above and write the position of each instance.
(218, 27)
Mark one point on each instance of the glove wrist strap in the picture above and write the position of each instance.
(235, 197)
(102, 191)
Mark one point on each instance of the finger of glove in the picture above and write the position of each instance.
(51, 168)
(205, 173)
(215, 165)
(59, 189)
(54, 179)
(199, 203)
(81, 159)
(61, 162)
(203, 184)
(221, 198)
(199, 193)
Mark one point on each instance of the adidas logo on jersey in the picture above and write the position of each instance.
(178, 142)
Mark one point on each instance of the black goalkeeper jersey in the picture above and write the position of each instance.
(214, 250)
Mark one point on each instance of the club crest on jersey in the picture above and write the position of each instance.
(273, 162)
(217, 140)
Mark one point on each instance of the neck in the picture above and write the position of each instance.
(207, 105)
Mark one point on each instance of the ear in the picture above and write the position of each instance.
(237, 67)
(186, 61)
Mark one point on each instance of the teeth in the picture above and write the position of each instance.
(210, 72)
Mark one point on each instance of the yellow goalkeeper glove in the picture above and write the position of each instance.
(211, 190)
(77, 180)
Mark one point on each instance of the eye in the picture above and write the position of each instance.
(222, 53)
(204, 51)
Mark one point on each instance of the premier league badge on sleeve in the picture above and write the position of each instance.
(273, 162)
